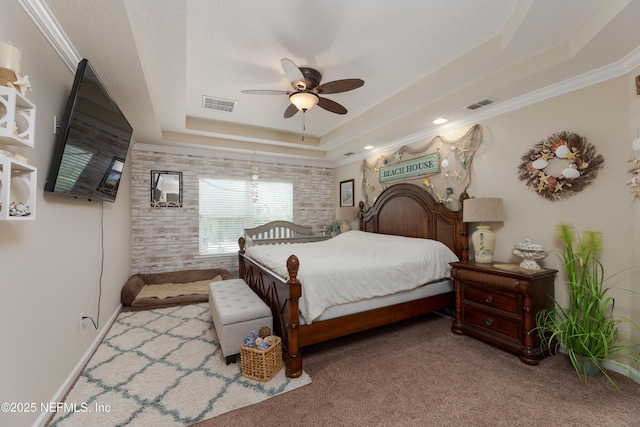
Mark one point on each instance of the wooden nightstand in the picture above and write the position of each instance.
(498, 303)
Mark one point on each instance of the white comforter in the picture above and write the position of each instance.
(356, 265)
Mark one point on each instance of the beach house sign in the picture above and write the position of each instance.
(427, 165)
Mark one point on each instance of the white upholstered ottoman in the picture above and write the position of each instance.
(236, 310)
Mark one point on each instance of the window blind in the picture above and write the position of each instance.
(226, 209)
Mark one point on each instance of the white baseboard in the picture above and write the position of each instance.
(628, 371)
(77, 370)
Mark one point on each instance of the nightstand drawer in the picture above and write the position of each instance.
(498, 303)
(509, 328)
(490, 298)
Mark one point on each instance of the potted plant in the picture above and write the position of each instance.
(586, 329)
(334, 229)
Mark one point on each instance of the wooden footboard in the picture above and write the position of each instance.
(281, 295)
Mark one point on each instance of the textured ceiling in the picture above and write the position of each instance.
(419, 60)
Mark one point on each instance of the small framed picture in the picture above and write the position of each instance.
(346, 193)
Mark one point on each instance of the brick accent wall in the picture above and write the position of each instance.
(166, 239)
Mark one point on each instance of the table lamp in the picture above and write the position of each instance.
(483, 210)
(345, 215)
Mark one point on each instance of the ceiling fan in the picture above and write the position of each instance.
(306, 86)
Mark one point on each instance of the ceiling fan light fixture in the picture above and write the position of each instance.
(304, 101)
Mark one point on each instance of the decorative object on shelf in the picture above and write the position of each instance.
(581, 168)
(166, 189)
(21, 84)
(346, 193)
(17, 189)
(587, 327)
(483, 210)
(453, 172)
(10, 56)
(634, 182)
(20, 158)
(10, 66)
(530, 253)
(19, 209)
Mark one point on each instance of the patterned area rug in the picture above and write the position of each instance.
(163, 367)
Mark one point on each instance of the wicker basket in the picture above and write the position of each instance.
(261, 365)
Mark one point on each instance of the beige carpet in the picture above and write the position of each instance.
(163, 367)
(418, 373)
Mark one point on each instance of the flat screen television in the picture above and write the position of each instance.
(93, 141)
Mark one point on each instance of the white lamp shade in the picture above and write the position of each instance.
(346, 214)
(635, 146)
(304, 100)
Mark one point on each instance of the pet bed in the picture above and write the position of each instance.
(156, 290)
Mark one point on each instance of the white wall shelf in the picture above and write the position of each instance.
(17, 118)
(17, 185)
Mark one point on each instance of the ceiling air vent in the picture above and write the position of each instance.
(220, 104)
(480, 104)
(350, 153)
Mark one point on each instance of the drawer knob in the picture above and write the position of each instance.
(489, 322)
(489, 299)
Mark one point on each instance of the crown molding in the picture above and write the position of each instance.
(43, 19)
(607, 72)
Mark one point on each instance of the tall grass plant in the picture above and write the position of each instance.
(587, 329)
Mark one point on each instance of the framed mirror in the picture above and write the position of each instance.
(166, 189)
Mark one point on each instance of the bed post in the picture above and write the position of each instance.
(292, 356)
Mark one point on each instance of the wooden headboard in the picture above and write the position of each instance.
(408, 210)
(277, 232)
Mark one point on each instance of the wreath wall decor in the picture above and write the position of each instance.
(582, 165)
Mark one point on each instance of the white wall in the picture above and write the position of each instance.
(50, 267)
(607, 114)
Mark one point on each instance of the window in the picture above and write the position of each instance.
(226, 210)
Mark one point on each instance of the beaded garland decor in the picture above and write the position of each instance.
(582, 165)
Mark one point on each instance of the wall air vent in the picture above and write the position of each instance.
(480, 104)
(219, 104)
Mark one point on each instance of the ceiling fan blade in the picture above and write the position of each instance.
(293, 73)
(338, 86)
(332, 106)
(266, 92)
(290, 111)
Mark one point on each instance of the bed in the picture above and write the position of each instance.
(401, 210)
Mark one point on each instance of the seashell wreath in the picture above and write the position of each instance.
(581, 168)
